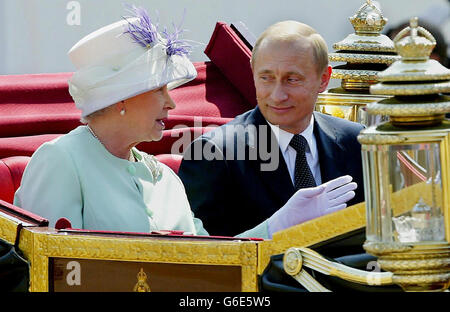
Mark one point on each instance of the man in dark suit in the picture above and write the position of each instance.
(268, 167)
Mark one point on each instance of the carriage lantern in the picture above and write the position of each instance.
(406, 163)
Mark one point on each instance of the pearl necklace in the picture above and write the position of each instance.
(131, 158)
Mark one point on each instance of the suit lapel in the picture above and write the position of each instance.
(276, 179)
(330, 152)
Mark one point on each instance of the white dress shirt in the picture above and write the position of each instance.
(289, 153)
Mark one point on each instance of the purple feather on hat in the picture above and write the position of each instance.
(175, 45)
(145, 33)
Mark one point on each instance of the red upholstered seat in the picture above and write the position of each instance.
(11, 171)
(16, 151)
(171, 160)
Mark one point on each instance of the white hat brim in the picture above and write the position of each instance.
(96, 87)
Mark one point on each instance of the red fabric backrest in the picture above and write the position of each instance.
(231, 55)
(36, 104)
(210, 94)
(35, 88)
(23, 146)
(11, 171)
(6, 183)
(41, 104)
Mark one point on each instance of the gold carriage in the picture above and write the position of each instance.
(406, 170)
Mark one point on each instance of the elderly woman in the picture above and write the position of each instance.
(94, 176)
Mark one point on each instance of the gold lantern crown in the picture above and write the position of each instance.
(415, 81)
(366, 52)
(414, 47)
(368, 19)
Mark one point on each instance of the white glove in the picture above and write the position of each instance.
(309, 203)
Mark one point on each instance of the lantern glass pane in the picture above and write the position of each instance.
(367, 119)
(405, 200)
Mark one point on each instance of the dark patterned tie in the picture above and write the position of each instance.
(302, 176)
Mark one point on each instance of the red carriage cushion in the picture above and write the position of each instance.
(232, 56)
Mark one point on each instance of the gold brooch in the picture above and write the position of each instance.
(154, 166)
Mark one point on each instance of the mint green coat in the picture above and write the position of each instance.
(75, 177)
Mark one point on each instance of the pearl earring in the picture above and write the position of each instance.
(122, 112)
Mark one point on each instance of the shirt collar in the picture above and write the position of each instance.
(284, 137)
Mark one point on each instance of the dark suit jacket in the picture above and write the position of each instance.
(231, 195)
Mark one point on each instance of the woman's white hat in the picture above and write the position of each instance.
(125, 59)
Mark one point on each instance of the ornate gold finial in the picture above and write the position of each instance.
(366, 52)
(414, 47)
(414, 22)
(416, 82)
(368, 19)
(415, 73)
(141, 285)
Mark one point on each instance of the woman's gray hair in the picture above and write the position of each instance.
(88, 118)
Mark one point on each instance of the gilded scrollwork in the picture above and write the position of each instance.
(431, 263)
(39, 274)
(8, 229)
(350, 74)
(385, 248)
(411, 89)
(421, 279)
(292, 261)
(372, 46)
(242, 254)
(411, 75)
(426, 109)
(378, 139)
(118, 249)
(362, 58)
